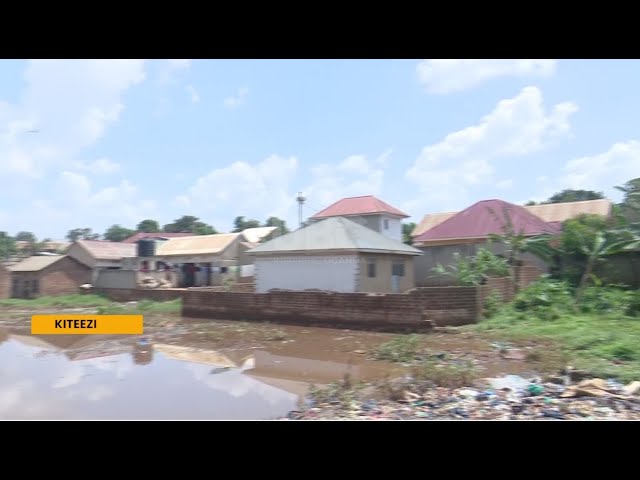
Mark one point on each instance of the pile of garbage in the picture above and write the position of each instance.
(150, 282)
(506, 398)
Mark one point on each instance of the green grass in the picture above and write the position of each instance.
(587, 341)
(402, 348)
(143, 307)
(71, 301)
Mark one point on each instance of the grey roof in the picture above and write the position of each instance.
(35, 263)
(335, 234)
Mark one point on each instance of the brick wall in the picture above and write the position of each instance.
(5, 282)
(64, 277)
(416, 309)
(130, 294)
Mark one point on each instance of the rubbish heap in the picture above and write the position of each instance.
(506, 398)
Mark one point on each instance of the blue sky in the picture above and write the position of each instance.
(119, 141)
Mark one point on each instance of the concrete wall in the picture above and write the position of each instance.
(5, 282)
(61, 278)
(301, 272)
(383, 281)
(418, 309)
(395, 227)
(115, 279)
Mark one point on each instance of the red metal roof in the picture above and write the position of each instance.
(141, 235)
(367, 204)
(484, 218)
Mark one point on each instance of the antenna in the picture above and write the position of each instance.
(300, 199)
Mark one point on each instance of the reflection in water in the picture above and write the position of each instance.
(113, 377)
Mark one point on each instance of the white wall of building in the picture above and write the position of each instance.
(394, 229)
(335, 273)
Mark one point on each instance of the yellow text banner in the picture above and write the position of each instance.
(86, 324)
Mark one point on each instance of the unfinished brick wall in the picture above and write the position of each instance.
(130, 294)
(415, 309)
(5, 282)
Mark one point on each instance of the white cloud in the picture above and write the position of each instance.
(355, 175)
(603, 171)
(446, 170)
(234, 101)
(504, 184)
(260, 189)
(446, 76)
(100, 166)
(67, 105)
(383, 159)
(193, 94)
(179, 64)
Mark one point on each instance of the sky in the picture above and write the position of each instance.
(92, 143)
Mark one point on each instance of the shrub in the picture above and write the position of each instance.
(492, 304)
(402, 348)
(545, 299)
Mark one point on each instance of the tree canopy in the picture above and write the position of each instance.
(82, 234)
(189, 224)
(407, 228)
(117, 233)
(148, 226)
(240, 224)
(277, 222)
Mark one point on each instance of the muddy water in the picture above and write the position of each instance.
(190, 369)
(215, 370)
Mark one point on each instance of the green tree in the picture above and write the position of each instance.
(569, 195)
(117, 233)
(530, 203)
(471, 271)
(516, 243)
(25, 237)
(277, 222)
(630, 205)
(189, 224)
(7, 245)
(407, 229)
(82, 234)
(148, 226)
(240, 224)
(587, 241)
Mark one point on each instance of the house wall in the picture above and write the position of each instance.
(395, 227)
(115, 279)
(444, 254)
(301, 272)
(62, 278)
(382, 282)
(5, 282)
(81, 255)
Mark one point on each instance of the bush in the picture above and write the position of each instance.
(545, 299)
(611, 300)
(492, 304)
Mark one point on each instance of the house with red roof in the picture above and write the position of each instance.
(467, 231)
(369, 211)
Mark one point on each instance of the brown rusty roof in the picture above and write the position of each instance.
(35, 263)
(364, 205)
(103, 250)
(196, 245)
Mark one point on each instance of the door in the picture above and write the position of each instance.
(395, 284)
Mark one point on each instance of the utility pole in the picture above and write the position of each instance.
(300, 199)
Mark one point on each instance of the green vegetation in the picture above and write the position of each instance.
(602, 337)
(470, 271)
(143, 307)
(71, 301)
(402, 348)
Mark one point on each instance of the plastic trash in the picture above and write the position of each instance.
(535, 389)
(512, 382)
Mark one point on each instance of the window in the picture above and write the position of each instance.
(34, 286)
(371, 268)
(397, 269)
(386, 224)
